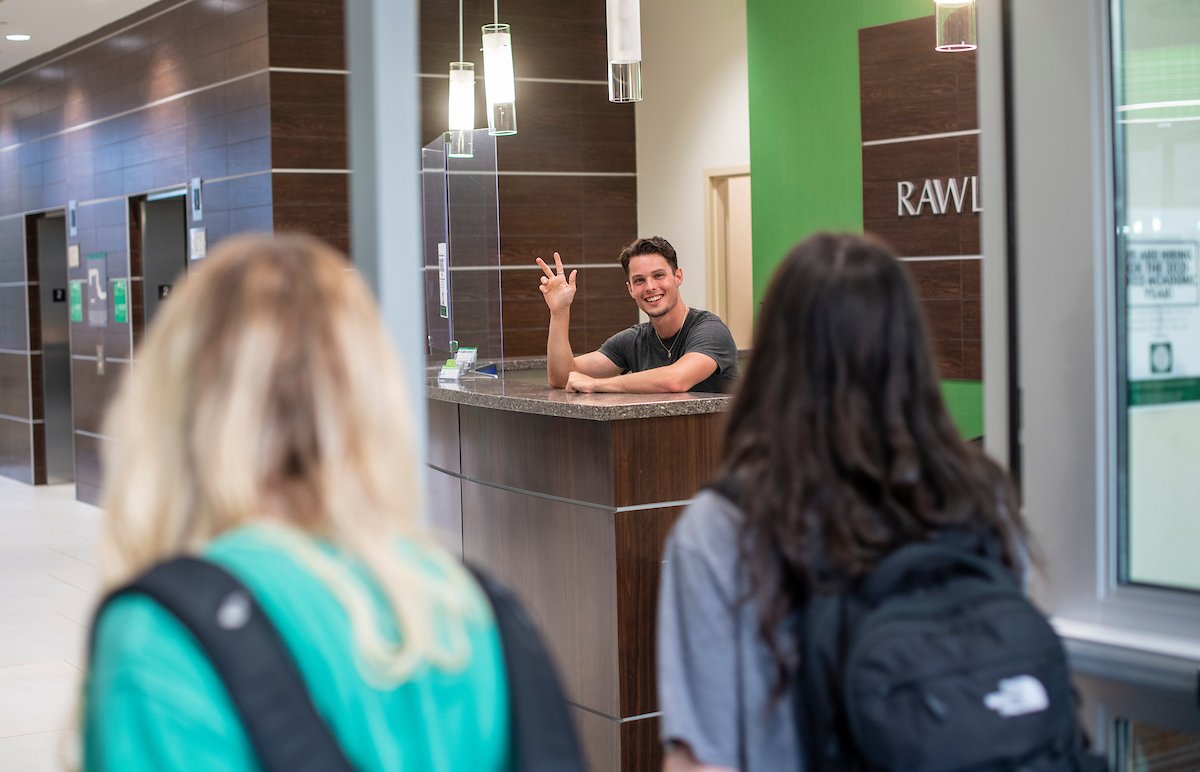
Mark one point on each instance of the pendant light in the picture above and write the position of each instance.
(955, 25)
(624, 50)
(462, 101)
(498, 76)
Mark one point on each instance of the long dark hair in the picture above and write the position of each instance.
(838, 438)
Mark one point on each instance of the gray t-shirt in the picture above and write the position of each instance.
(715, 674)
(639, 348)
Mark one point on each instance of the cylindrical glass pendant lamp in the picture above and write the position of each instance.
(462, 109)
(955, 25)
(624, 51)
(498, 80)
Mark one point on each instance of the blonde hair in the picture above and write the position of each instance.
(267, 389)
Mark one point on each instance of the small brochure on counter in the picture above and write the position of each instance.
(465, 359)
(450, 372)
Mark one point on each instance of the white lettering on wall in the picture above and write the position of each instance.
(939, 195)
(927, 197)
(903, 191)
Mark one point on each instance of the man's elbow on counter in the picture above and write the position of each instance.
(556, 383)
(678, 386)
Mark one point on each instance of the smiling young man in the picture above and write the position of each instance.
(679, 349)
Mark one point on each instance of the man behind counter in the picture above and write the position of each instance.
(679, 349)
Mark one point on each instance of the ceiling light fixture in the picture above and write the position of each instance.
(462, 101)
(955, 21)
(498, 79)
(18, 37)
(624, 50)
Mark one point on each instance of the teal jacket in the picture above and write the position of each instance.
(153, 702)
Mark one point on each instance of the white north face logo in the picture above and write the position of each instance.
(1018, 696)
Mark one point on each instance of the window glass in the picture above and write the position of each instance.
(1143, 747)
(1156, 78)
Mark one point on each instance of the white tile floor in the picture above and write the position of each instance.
(48, 584)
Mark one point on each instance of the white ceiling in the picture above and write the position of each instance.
(53, 23)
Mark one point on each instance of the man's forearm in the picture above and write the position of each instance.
(560, 360)
(656, 381)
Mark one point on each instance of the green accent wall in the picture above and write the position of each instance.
(806, 138)
(964, 400)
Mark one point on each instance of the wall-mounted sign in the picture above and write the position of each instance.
(120, 293)
(97, 289)
(72, 222)
(443, 281)
(76, 301)
(72, 255)
(1163, 296)
(59, 295)
(197, 243)
(164, 290)
(196, 197)
(940, 196)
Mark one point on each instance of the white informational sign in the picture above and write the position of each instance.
(1163, 321)
(465, 358)
(199, 242)
(72, 255)
(443, 281)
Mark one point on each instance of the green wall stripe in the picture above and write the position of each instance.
(806, 135)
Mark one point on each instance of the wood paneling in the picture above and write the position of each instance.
(443, 502)
(443, 447)
(909, 89)
(601, 740)
(566, 457)
(558, 558)
(640, 538)
(647, 463)
(14, 385)
(640, 749)
(16, 450)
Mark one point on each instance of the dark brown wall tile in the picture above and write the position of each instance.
(16, 450)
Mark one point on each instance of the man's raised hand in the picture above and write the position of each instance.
(557, 288)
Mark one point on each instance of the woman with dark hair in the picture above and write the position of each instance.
(840, 451)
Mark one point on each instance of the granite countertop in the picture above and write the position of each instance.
(524, 396)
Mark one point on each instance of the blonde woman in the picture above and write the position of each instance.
(265, 428)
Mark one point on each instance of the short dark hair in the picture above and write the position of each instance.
(654, 245)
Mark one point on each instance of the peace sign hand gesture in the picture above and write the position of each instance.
(557, 288)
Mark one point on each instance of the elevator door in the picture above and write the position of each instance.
(164, 249)
(56, 348)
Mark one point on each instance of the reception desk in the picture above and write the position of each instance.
(568, 498)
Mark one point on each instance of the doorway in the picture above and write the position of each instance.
(47, 239)
(161, 219)
(729, 250)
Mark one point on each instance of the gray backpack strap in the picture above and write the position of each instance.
(252, 660)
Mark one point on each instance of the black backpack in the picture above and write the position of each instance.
(934, 662)
(279, 716)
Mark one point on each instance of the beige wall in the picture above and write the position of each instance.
(694, 115)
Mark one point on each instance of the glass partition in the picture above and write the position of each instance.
(1156, 80)
(461, 255)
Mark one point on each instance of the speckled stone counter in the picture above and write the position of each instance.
(521, 396)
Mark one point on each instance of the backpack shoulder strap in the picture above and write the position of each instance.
(543, 734)
(251, 658)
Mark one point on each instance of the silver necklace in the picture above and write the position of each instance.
(674, 342)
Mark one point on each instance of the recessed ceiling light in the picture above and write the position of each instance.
(17, 37)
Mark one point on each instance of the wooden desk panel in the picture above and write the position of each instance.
(564, 457)
(664, 459)
(558, 558)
